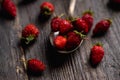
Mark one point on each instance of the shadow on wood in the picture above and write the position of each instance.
(91, 64)
(54, 58)
(113, 6)
(26, 46)
(99, 35)
(5, 15)
(25, 2)
(31, 74)
(43, 18)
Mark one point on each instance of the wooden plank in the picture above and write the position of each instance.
(58, 66)
(74, 66)
(11, 67)
(9, 51)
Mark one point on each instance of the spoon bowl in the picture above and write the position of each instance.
(53, 35)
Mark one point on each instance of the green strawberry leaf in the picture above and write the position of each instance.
(29, 39)
(47, 11)
(81, 35)
(88, 12)
(99, 44)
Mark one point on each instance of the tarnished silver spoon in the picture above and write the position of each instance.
(54, 34)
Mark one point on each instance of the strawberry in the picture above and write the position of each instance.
(30, 33)
(73, 40)
(101, 27)
(60, 42)
(55, 22)
(97, 53)
(35, 66)
(88, 17)
(65, 26)
(81, 25)
(47, 8)
(9, 7)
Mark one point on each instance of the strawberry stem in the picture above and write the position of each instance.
(28, 39)
(88, 12)
(61, 15)
(99, 44)
(71, 19)
(46, 11)
(109, 20)
(81, 35)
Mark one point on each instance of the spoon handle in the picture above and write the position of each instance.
(71, 7)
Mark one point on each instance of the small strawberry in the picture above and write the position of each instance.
(81, 25)
(101, 27)
(55, 22)
(97, 53)
(65, 26)
(30, 33)
(9, 7)
(88, 17)
(73, 40)
(47, 8)
(60, 42)
(35, 66)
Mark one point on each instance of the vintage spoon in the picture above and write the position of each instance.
(54, 34)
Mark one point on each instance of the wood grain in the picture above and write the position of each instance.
(73, 66)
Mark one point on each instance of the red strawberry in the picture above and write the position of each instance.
(60, 42)
(81, 25)
(97, 53)
(87, 16)
(30, 32)
(9, 7)
(35, 66)
(101, 27)
(73, 40)
(47, 8)
(55, 22)
(65, 26)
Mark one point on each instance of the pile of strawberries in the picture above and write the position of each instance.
(71, 32)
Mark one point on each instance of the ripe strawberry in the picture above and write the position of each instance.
(30, 33)
(55, 22)
(88, 17)
(101, 27)
(73, 40)
(81, 25)
(97, 53)
(9, 7)
(60, 42)
(35, 66)
(47, 8)
(65, 26)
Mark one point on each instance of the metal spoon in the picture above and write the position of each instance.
(54, 34)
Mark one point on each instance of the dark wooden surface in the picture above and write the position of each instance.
(58, 67)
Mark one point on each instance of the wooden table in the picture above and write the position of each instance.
(74, 66)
